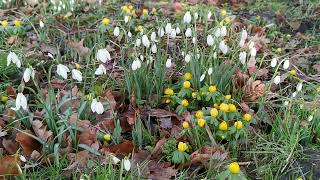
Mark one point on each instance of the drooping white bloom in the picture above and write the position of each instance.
(188, 32)
(299, 86)
(187, 17)
(209, 15)
(286, 103)
(168, 63)
(76, 74)
(21, 102)
(145, 41)
(141, 57)
(194, 40)
(115, 159)
(210, 70)
(50, 56)
(168, 28)
(210, 40)
(103, 55)
(41, 24)
(310, 118)
(286, 64)
(136, 64)
(274, 62)
(126, 19)
(251, 45)
(243, 38)
(154, 48)
(242, 57)
(138, 42)
(187, 58)
(97, 106)
(12, 57)
(160, 32)
(195, 15)
(241, 43)
(182, 53)
(198, 56)
(100, 70)
(178, 30)
(153, 37)
(62, 71)
(116, 31)
(217, 33)
(173, 33)
(223, 31)
(22, 158)
(223, 47)
(129, 34)
(202, 77)
(127, 164)
(294, 94)
(277, 80)
(29, 72)
(253, 52)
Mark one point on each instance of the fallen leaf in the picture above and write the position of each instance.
(10, 165)
(78, 47)
(11, 91)
(159, 170)
(125, 148)
(35, 155)
(10, 146)
(317, 68)
(12, 40)
(41, 130)
(158, 148)
(88, 136)
(27, 143)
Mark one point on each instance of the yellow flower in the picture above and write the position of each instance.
(145, 12)
(125, 8)
(187, 76)
(130, 7)
(89, 97)
(224, 107)
(139, 28)
(247, 117)
(232, 108)
(182, 147)
(4, 99)
(223, 126)
(234, 168)
(154, 11)
(199, 114)
(105, 21)
(279, 50)
(238, 125)
(221, 23)
(227, 20)
(4, 23)
(107, 137)
(215, 105)
(186, 84)
(185, 103)
(185, 125)
(77, 66)
(300, 178)
(258, 18)
(214, 112)
(17, 23)
(201, 122)
(212, 89)
(293, 72)
(227, 97)
(223, 12)
(194, 95)
(168, 92)
(168, 101)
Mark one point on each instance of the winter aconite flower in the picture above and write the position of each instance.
(201, 122)
(212, 89)
(184, 103)
(145, 12)
(232, 108)
(199, 114)
(227, 97)
(62, 71)
(76, 74)
(187, 17)
(17, 23)
(223, 126)
(107, 137)
(247, 117)
(224, 107)
(185, 125)
(186, 84)
(21, 102)
(238, 125)
(97, 107)
(278, 50)
(187, 76)
(293, 72)
(105, 21)
(234, 168)
(223, 12)
(168, 92)
(4, 23)
(214, 112)
(103, 55)
(182, 147)
(12, 57)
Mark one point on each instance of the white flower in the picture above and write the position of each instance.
(100, 70)
(129, 34)
(253, 52)
(138, 42)
(153, 37)
(41, 24)
(277, 80)
(294, 94)
(115, 159)
(178, 30)
(29, 72)
(241, 43)
(168, 28)
(63, 70)
(202, 77)
(182, 53)
(127, 164)
(154, 48)
(187, 17)
(223, 47)
(286, 103)
(310, 118)
(244, 34)
(173, 34)
(299, 86)
(198, 56)
(21, 102)
(286, 64)
(168, 63)
(274, 62)
(97, 106)
(126, 19)
(141, 57)
(187, 58)
(210, 40)
(103, 55)
(210, 70)
(195, 15)
(217, 33)
(76, 74)
(50, 56)
(223, 31)
(194, 40)
(116, 31)
(160, 32)
(251, 45)
(136, 64)
(145, 41)
(188, 32)
(22, 158)
(209, 15)
(12, 57)
(242, 57)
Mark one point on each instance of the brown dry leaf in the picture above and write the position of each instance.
(252, 65)
(125, 148)
(10, 165)
(88, 136)
(79, 158)
(253, 90)
(262, 73)
(45, 48)
(12, 40)
(246, 108)
(10, 146)
(130, 116)
(295, 25)
(317, 68)
(177, 7)
(27, 143)
(157, 149)
(35, 155)
(78, 46)
(57, 84)
(11, 91)
(161, 171)
(41, 130)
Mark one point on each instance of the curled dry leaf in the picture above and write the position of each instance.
(41, 130)
(161, 171)
(88, 136)
(27, 143)
(124, 148)
(78, 47)
(10, 146)
(208, 155)
(157, 149)
(10, 165)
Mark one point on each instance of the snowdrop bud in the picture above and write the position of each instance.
(187, 58)
(103, 55)
(210, 70)
(141, 57)
(242, 57)
(173, 34)
(41, 24)
(153, 37)
(274, 62)
(116, 31)
(129, 34)
(160, 32)
(182, 53)
(50, 56)
(138, 42)
(188, 32)
(178, 30)
(209, 15)
(154, 48)
(253, 52)
(210, 40)
(126, 19)
(241, 43)
(145, 41)
(23, 159)
(223, 47)
(198, 56)
(299, 86)
(97, 107)
(196, 16)
(168, 28)
(127, 164)
(115, 159)
(136, 64)
(100, 70)
(168, 63)
(194, 40)
(77, 75)
(29, 72)
(294, 94)
(223, 31)
(202, 77)
(21, 102)
(286, 64)
(310, 118)
(217, 33)
(277, 80)
(12, 57)
(62, 71)
(251, 45)
(286, 103)
(244, 34)
(187, 17)
(215, 55)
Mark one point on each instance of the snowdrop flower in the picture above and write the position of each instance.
(126, 19)
(210, 40)
(22, 158)
(187, 17)
(182, 53)
(116, 31)
(209, 15)
(188, 32)
(210, 70)
(277, 80)
(154, 48)
(168, 63)
(160, 32)
(299, 86)
(28, 72)
(21, 102)
(195, 15)
(153, 37)
(41, 24)
(202, 77)
(286, 103)
(50, 56)
(253, 52)
(187, 58)
(168, 28)
(138, 42)
(223, 31)
(217, 33)
(274, 62)
(136, 64)
(310, 118)
(286, 64)
(251, 45)
(129, 34)
(141, 57)
(178, 30)
(145, 41)
(103, 55)
(100, 70)
(223, 47)
(243, 38)
(12, 57)
(97, 107)
(127, 164)
(242, 57)
(294, 94)
(194, 40)
(115, 159)
(76, 74)
(62, 71)
(173, 33)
